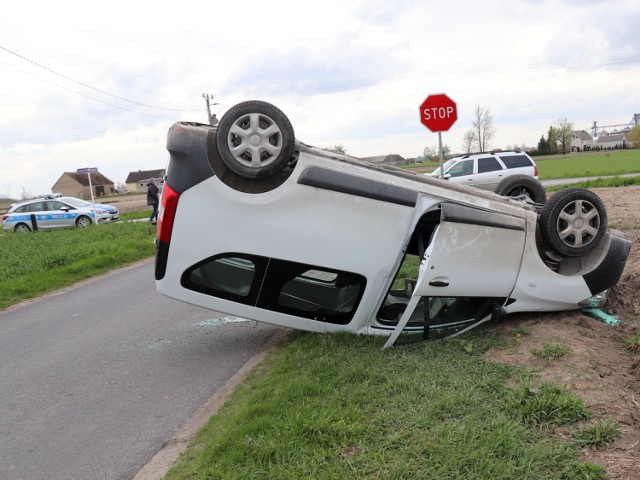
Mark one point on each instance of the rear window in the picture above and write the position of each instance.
(517, 161)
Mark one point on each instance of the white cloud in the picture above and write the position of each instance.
(344, 72)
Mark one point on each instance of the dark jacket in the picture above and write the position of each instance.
(152, 194)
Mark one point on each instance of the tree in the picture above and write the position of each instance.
(564, 134)
(634, 136)
(429, 153)
(468, 141)
(543, 146)
(483, 128)
(433, 153)
(337, 148)
(552, 141)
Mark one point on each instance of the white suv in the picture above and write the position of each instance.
(487, 170)
(257, 225)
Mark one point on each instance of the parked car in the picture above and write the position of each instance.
(258, 225)
(490, 171)
(55, 211)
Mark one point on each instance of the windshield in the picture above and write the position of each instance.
(447, 165)
(76, 202)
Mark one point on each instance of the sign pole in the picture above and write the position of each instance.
(93, 202)
(89, 171)
(441, 154)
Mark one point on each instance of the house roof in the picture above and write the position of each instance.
(142, 175)
(614, 137)
(583, 135)
(96, 178)
(391, 158)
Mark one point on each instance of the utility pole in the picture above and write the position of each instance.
(213, 120)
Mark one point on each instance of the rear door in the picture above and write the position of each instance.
(490, 172)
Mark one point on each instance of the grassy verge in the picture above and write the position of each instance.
(33, 264)
(600, 183)
(336, 406)
(589, 165)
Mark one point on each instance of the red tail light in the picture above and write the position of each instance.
(167, 213)
(535, 170)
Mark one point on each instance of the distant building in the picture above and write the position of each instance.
(581, 141)
(613, 141)
(391, 159)
(137, 181)
(75, 184)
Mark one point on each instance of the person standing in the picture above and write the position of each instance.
(152, 199)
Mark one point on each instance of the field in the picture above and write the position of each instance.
(586, 164)
(589, 164)
(553, 395)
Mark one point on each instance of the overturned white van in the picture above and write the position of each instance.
(256, 224)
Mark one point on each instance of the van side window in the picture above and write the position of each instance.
(298, 289)
(461, 168)
(516, 161)
(488, 164)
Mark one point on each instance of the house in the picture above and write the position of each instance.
(137, 181)
(75, 184)
(612, 141)
(581, 141)
(391, 159)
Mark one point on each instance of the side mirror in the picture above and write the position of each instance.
(447, 176)
(499, 314)
(65, 209)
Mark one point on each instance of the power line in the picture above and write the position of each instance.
(66, 77)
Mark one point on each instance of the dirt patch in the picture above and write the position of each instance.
(599, 367)
(127, 203)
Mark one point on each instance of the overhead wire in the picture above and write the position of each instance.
(66, 77)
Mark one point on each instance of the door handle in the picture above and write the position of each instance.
(438, 283)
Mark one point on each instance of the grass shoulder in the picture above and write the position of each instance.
(337, 406)
(37, 263)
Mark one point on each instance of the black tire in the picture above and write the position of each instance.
(522, 186)
(255, 139)
(573, 222)
(83, 221)
(22, 228)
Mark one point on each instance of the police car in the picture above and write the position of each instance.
(56, 212)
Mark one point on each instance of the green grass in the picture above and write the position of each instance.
(589, 164)
(552, 351)
(597, 435)
(338, 407)
(36, 263)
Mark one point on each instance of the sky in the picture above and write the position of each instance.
(88, 84)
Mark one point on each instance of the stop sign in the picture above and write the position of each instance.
(438, 112)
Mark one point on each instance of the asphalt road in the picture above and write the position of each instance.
(95, 379)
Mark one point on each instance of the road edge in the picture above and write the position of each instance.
(165, 458)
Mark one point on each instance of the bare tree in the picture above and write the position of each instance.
(483, 128)
(564, 133)
(468, 141)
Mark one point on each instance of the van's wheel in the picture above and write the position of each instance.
(83, 221)
(22, 228)
(522, 187)
(255, 139)
(573, 222)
